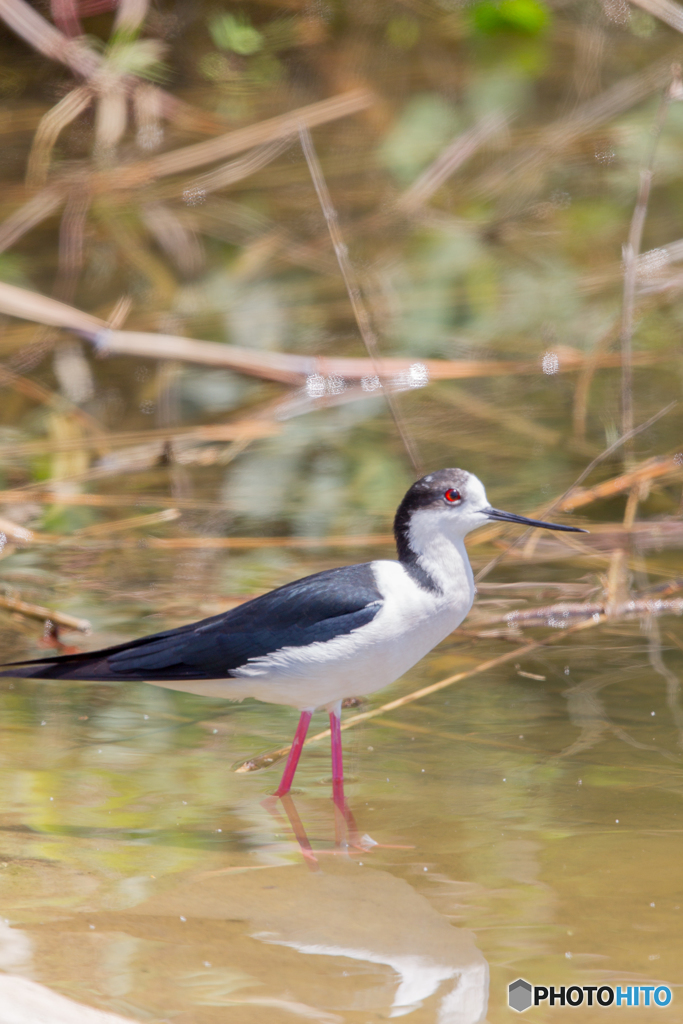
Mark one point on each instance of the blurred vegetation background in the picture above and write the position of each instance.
(487, 194)
(261, 264)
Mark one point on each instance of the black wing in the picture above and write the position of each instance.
(315, 608)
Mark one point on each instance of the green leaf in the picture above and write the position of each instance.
(231, 33)
(527, 17)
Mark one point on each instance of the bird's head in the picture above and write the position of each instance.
(450, 502)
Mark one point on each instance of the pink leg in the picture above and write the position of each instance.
(294, 754)
(337, 759)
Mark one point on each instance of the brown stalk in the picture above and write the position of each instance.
(563, 612)
(668, 12)
(37, 393)
(213, 150)
(47, 39)
(48, 131)
(491, 413)
(13, 531)
(220, 432)
(178, 240)
(32, 306)
(630, 255)
(236, 170)
(71, 235)
(304, 543)
(293, 369)
(36, 611)
(487, 535)
(48, 496)
(528, 161)
(290, 369)
(168, 515)
(354, 290)
(652, 469)
(448, 162)
(35, 210)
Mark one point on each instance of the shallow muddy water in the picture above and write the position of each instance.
(527, 824)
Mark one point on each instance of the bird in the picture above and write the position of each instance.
(342, 632)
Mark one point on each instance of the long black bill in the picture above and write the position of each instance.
(510, 517)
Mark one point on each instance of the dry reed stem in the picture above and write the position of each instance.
(666, 11)
(282, 366)
(304, 543)
(615, 605)
(48, 496)
(36, 611)
(492, 532)
(175, 237)
(354, 291)
(218, 432)
(48, 131)
(652, 469)
(38, 393)
(425, 691)
(657, 532)
(28, 305)
(47, 39)
(236, 170)
(71, 243)
(169, 515)
(35, 210)
(630, 256)
(294, 369)
(583, 384)
(564, 132)
(487, 411)
(452, 157)
(213, 150)
(141, 258)
(13, 531)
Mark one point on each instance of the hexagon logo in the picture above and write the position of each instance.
(519, 995)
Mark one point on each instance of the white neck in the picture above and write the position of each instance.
(441, 554)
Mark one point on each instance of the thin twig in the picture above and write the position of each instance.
(38, 208)
(213, 150)
(578, 499)
(452, 157)
(36, 611)
(630, 256)
(353, 288)
(54, 121)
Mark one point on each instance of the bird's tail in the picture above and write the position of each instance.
(91, 667)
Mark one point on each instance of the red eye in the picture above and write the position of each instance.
(452, 496)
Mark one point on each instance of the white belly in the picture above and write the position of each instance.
(411, 622)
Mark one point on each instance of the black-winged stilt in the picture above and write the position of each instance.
(339, 633)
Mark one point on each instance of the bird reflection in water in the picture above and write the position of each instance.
(347, 837)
